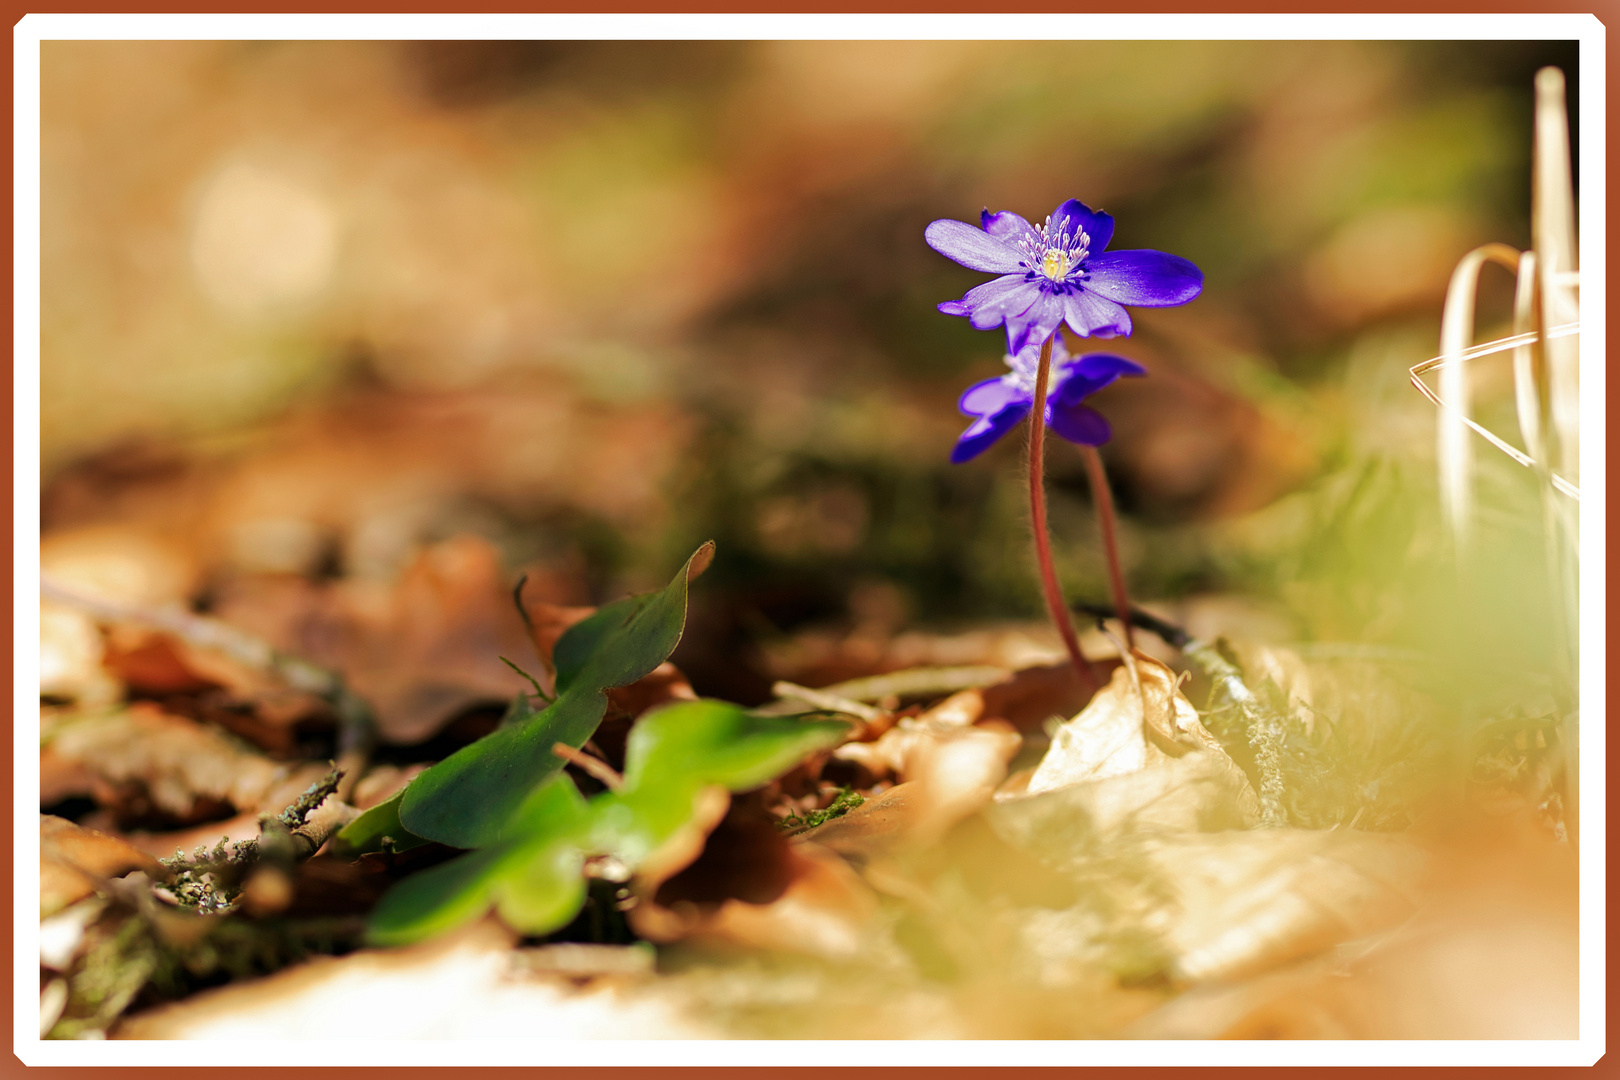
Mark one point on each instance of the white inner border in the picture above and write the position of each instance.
(34, 28)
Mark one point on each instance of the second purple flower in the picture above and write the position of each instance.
(999, 405)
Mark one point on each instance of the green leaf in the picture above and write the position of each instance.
(533, 880)
(675, 752)
(471, 798)
(438, 900)
(518, 711)
(369, 831)
(713, 742)
(534, 877)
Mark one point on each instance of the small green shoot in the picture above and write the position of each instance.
(846, 800)
(534, 878)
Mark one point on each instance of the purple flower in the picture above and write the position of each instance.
(999, 404)
(1058, 273)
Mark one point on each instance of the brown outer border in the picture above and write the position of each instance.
(10, 1065)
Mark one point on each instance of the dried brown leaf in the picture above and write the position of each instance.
(1491, 953)
(872, 829)
(70, 654)
(799, 897)
(72, 860)
(144, 762)
(419, 649)
(467, 985)
(1139, 720)
(1251, 901)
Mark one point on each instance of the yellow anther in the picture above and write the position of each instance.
(1055, 264)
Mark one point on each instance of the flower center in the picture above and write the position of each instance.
(1026, 366)
(1053, 251)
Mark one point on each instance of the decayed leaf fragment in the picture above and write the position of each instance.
(1250, 901)
(430, 645)
(467, 985)
(144, 760)
(72, 860)
(755, 888)
(1136, 757)
(1492, 951)
(1136, 721)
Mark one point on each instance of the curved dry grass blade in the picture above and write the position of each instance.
(1440, 363)
(1455, 456)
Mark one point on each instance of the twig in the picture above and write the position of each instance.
(210, 880)
(357, 725)
(1264, 725)
(596, 767)
(918, 682)
(1168, 632)
(821, 699)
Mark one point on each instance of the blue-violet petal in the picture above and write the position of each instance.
(1090, 315)
(1143, 278)
(984, 398)
(1085, 375)
(1036, 324)
(986, 430)
(1080, 424)
(997, 300)
(973, 248)
(1006, 225)
(1098, 226)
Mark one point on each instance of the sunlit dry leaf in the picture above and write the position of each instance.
(119, 563)
(1250, 901)
(464, 986)
(430, 645)
(900, 749)
(144, 761)
(1135, 758)
(1491, 952)
(70, 653)
(1197, 792)
(872, 829)
(752, 887)
(956, 773)
(825, 911)
(1140, 719)
(1135, 761)
(72, 860)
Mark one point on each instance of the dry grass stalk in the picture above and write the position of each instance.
(1546, 370)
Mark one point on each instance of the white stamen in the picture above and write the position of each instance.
(1051, 252)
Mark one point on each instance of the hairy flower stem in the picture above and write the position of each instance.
(1104, 501)
(1043, 542)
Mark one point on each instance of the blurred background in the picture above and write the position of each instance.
(400, 316)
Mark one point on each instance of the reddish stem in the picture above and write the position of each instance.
(1104, 501)
(1043, 543)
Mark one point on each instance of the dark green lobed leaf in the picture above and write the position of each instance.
(470, 799)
